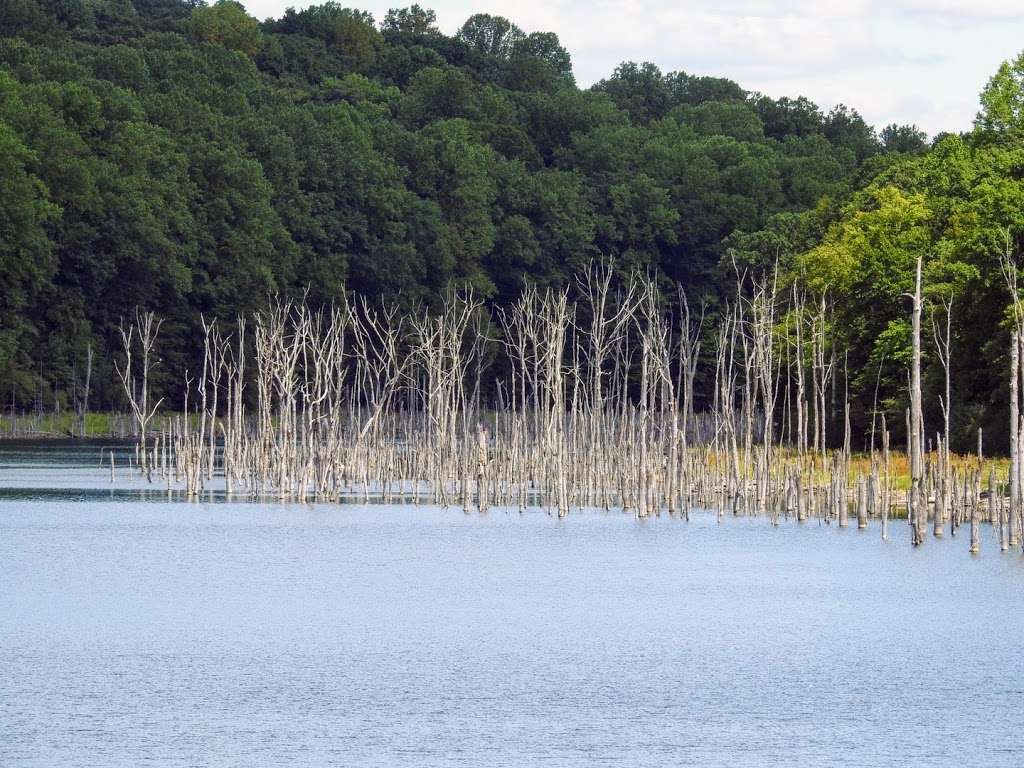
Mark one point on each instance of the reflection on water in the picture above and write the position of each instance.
(73, 465)
(243, 634)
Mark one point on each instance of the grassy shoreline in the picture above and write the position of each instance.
(65, 425)
(120, 426)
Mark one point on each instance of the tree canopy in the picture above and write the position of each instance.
(189, 159)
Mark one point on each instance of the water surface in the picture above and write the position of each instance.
(147, 632)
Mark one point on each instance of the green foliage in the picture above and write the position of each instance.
(226, 23)
(784, 117)
(26, 253)
(540, 61)
(874, 247)
(959, 207)
(189, 159)
(844, 127)
(734, 119)
(903, 138)
(344, 32)
(1002, 100)
(490, 35)
(640, 90)
(413, 20)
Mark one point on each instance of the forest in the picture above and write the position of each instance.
(192, 161)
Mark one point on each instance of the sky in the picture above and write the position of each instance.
(895, 61)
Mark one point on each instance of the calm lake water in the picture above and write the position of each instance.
(140, 631)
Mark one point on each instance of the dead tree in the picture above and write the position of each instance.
(943, 339)
(145, 329)
(82, 393)
(917, 500)
(1010, 274)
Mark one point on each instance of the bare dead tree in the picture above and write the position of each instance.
(142, 332)
(82, 393)
(917, 500)
(1011, 276)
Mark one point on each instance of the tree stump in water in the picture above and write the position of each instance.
(862, 504)
(975, 530)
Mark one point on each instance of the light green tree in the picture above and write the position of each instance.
(226, 23)
(1002, 101)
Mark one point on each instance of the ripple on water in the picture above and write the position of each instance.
(231, 634)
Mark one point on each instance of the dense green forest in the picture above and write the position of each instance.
(192, 160)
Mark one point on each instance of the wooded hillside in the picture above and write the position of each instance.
(189, 159)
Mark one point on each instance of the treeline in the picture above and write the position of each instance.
(959, 207)
(191, 160)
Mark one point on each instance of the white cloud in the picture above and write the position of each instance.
(968, 9)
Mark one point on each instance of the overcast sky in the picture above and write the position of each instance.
(903, 61)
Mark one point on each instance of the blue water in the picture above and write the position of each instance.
(138, 631)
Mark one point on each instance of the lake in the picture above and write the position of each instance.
(137, 630)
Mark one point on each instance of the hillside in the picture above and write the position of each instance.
(189, 159)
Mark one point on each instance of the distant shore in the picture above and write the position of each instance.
(66, 425)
